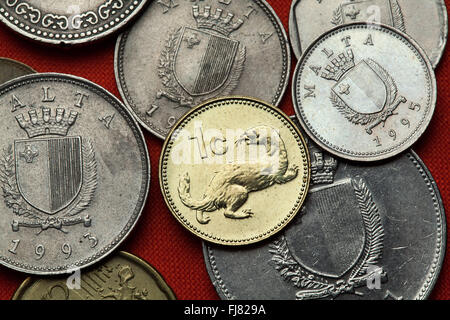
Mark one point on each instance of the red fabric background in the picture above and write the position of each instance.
(158, 237)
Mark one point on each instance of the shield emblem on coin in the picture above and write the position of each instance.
(49, 171)
(203, 61)
(331, 235)
(369, 10)
(362, 89)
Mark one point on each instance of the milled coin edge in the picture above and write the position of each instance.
(294, 33)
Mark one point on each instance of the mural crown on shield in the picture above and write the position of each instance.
(339, 66)
(216, 22)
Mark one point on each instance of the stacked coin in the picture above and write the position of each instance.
(310, 206)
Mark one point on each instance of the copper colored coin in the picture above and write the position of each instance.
(123, 277)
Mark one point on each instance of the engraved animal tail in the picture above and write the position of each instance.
(184, 191)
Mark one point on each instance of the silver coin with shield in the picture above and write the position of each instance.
(366, 231)
(74, 170)
(68, 22)
(364, 92)
(181, 54)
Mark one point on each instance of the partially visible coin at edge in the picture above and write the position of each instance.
(365, 232)
(74, 170)
(364, 92)
(11, 69)
(68, 21)
(122, 277)
(309, 19)
(234, 171)
(180, 55)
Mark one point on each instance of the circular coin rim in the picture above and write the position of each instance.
(436, 265)
(139, 207)
(86, 39)
(20, 65)
(406, 144)
(151, 271)
(242, 100)
(294, 34)
(128, 101)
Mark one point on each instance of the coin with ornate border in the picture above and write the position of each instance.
(11, 69)
(122, 277)
(67, 22)
(310, 18)
(234, 171)
(74, 170)
(180, 54)
(364, 92)
(366, 232)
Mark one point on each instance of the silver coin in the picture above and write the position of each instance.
(74, 170)
(68, 21)
(364, 92)
(182, 53)
(425, 21)
(365, 232)
(11, 69)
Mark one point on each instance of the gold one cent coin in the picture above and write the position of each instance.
(123, 277)
(234, 171)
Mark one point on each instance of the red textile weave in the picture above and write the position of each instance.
(158, 237)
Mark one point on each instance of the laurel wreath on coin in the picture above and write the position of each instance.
(397, 15)
(173, 89)
(337, 17)
(316, 287)
(34, 218)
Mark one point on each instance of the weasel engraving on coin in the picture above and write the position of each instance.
(229, 188)
(68, 22)
(70, 193)
(198, 51)
(404, 15)
(357, 100)
(233, 157)
(356, 237)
